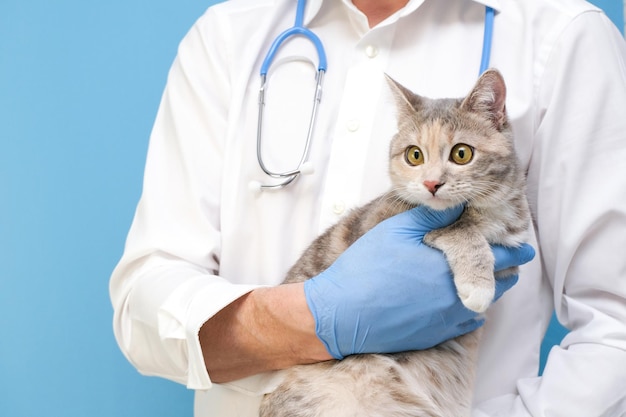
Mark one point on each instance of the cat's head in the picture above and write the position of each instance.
(453, 151)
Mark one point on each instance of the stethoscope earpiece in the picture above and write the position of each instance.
(255, 187)
(307, 168)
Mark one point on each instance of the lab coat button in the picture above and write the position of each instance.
(371, 51)
(353, 125)
(339, 207)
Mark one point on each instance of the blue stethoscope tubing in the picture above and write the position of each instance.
(487, 39)
(298, 29)
(303, 166)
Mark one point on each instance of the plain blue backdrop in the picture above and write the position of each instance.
(80, 83)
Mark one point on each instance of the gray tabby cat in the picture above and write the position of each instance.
(446, 152)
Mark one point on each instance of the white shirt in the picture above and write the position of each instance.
(201, 239)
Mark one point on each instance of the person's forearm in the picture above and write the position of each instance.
(266, 329)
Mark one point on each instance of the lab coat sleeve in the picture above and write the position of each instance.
(577, 189)
(166, 285)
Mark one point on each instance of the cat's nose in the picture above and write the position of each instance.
(433, 186)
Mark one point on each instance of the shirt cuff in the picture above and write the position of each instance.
(184, 312)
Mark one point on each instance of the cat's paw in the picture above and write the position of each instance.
(476, 296)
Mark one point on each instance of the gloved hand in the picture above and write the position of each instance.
(390, 292)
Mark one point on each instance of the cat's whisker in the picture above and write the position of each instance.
(394, 202)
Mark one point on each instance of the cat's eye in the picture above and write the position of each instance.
(414, 155)
(461, 154)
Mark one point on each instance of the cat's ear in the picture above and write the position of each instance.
(488, 98)
(407, 102)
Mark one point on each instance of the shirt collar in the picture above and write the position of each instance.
(494, 4)
(313, 7)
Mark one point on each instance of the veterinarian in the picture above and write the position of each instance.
(196, 292)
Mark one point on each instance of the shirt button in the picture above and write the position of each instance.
(339, 207)
(371, 51)
(353, 125)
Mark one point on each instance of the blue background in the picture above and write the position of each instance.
(80, 83)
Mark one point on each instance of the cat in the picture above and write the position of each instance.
(446, 152)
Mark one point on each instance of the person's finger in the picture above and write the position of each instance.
(470, 325)
(507, 257)
(504, 284)
(425, 219)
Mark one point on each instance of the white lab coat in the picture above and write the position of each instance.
(201, 239)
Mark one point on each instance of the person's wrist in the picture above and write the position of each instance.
(287, 322)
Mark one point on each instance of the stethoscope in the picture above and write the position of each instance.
(304, 166)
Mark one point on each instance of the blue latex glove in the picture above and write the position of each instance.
(390, 292)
